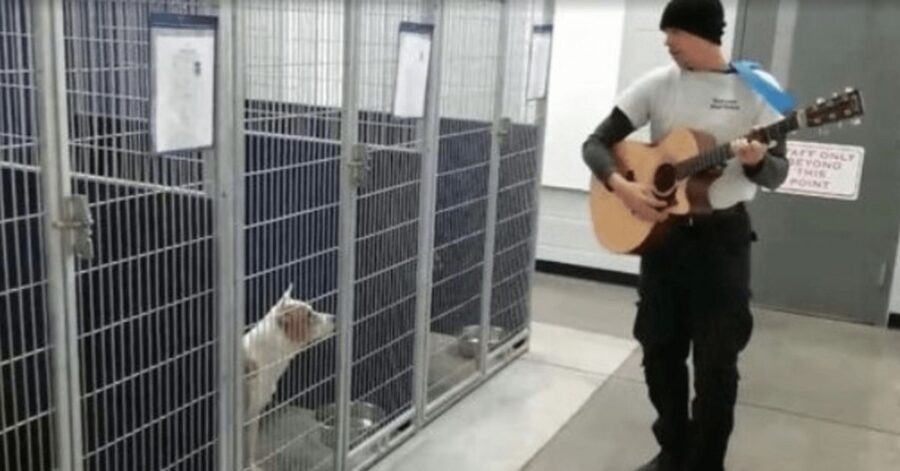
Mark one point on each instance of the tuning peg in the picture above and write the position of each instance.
(849, 90)
(820, 101)
(856, 121)
(834, 95)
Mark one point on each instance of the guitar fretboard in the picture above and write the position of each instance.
(703, 162)
(720, 154)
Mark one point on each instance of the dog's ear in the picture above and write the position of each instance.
(287, 295)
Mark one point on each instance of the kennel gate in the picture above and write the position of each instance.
(130, 355)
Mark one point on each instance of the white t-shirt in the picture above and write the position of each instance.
(720, 104)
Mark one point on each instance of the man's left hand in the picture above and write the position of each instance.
(749, 152)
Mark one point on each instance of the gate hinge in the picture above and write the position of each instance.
(358, 165)
(504, 126)
(78, 222)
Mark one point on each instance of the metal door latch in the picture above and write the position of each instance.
(359, 164)
(504, 126)
(79, 223)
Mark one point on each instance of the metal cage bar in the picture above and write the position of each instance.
(228, 197)
(493, 190)
(348, 229)
(546, 16)
(30, 48)
(430, 130)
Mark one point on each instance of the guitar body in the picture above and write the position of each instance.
(681, 167)
(615, 226)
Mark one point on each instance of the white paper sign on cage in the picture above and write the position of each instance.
(183, 69)
(823, 170)
(412, 70)
(539, 61)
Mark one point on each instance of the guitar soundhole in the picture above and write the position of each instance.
(664, 179)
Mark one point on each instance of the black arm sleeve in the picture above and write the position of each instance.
(597, 149)
(772, 170)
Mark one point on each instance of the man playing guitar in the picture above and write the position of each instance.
(694, 286)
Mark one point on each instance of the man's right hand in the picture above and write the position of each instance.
(639, 198)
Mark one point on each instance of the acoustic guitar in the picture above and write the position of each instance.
(680, 169)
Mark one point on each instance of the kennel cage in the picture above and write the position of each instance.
(121, 344)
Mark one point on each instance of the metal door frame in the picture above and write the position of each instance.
(48, 29)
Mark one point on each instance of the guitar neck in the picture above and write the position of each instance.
(719, 155)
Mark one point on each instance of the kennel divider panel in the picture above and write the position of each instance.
(147, 333)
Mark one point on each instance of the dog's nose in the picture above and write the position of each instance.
(328, 320)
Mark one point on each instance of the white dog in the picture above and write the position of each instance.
(288, 327)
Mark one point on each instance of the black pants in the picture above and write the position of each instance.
(694, 291)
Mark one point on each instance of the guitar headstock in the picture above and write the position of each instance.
(840, 107)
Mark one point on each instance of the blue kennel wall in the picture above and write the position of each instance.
(460, 224)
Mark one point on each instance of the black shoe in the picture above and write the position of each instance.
(662, 462)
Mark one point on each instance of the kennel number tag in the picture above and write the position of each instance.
(412, 70)
(183, 66)
(539, 61)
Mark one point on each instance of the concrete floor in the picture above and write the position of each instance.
(503, 423)
(815, 394)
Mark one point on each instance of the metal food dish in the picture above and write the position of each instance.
(364, 418)
(470, 338)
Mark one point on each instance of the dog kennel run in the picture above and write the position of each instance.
(130, 273)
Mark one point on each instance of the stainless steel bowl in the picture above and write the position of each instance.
(470, 338)
(364, 418)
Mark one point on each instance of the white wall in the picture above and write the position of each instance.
(587, 38)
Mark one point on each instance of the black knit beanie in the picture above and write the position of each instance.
(704, 18)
